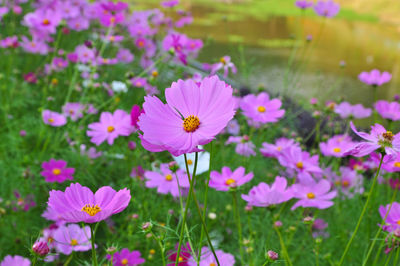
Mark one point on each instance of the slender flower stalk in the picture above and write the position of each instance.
(162, 248)
(238, 224)
(284, 250)
(362, 213)
(380, 227)
(92, 232)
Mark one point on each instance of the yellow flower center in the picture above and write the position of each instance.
(212, 264)
(191, 123)
(310, 195)
(46, 21)
(154, 73)
(74, 242)
(337, 150)
(397, 164)
(110, 129)
(345, 183)
(189, 162)
(279, 148)
(388, 136)
(112, 38)
(222, 60)
(124, 262)
(112, 20)
(300, 165)
(180, 259)
(56, 171)
(230, 181)
(152, 251)
(168, 177)
(54, 81)
(51, 120)
(50, 239)
(398, 222)
(141, 43)
(261, 109)
(91, 209)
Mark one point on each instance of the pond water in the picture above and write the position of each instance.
(266, 45)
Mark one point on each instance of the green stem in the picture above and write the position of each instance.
(92, 233)
(162, 249)
(397, 256)
(70, 258)
(239, 225)
(362, 213)
(380, 227)
(34, 260)
(284, 250)
(205, 201)
(389, 258)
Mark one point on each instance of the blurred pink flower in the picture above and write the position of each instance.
(314, 195)
(388, 110)
(57, 171)
(375, 77)
(261, 108)
(227, 179)
(53, 119)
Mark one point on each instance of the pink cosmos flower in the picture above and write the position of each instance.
(392, 221)
(169, 3)
(126, 257)
(193, 116)
(261, 108)
(243, 145)
(15, 261)
(23, 203)
(336, 146)
(225, 64)
(43, 20)
(135, 113)
(166, 181)
(92, 153)
(277, 149)
(53, 119)
(110, 127)
(79, 204)
(327, 9)
(375, 77)
(34, 46)
(315, 195)
(346, 110)
(73, 110)
(9, 42)
(30, 77)
(388, 110)
(111, 13)
(85, 54)
(227, 179)
(72, 237)
(264, 195)
(124, 56)
(233, 127)
(349, 182)
(139, 82)
(389, 164)
(318, 228)
(303, 4)
(78, 24)
(185, 255)
(56, 171)
(207, 258)
(379, 138)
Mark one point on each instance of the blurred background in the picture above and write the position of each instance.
(327, 54)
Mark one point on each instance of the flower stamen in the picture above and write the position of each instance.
(91, 209)
(191, 123)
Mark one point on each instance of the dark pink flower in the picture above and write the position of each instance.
(126, 257)
(57, 171)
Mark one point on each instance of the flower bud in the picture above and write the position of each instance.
(41, 248)
(272, 255)
(278, 224)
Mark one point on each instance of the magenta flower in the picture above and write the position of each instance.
(111, 13)
(57, 171)
(350, 182)
(79, 204)
(30, 77)
(346, 110)
(225, 64)
(277, 149)
(139, 82)
(193, 116)
(243, 145)
(15, 261)
(227, 179)
(261, 108)
(85, 54)
(110, 127)
(315, 195)
(303, 4)
(184, 256)
(43, 20)
(392, 221)
(73, 110)
(169, 3)
(327, 9)
(78, 24)
(337, 146)
(389, 164)
(9, 42)
(379, 138)
(72, 237)
(207, 258)
(166, 181)
(34, 46)
(375, 77)
(264, 195)
(126, 257)
(124, 56)
(53, 119)
(388, 110)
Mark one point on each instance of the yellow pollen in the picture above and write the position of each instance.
(91, 209)
(398, 222)
(397, 164)
(300, 165)
(337, 150)
(191, 123)
(388, 135)
(50, 239)
(46, 21)
(180, 259)
(345, 183)
(51, 120)
(212, 264)
(74, 242)
(110, 129)
(222, 60)
(141, 43)
(168, 177)
(152, 251)
(310, 195)
(71, 112)
(190, 162)
(112, 20)
(154, 73)
(124, 262)
(56, 171)
(54, 81)
(261, 109)
(230, 181)
(279, 148)
(112, 38)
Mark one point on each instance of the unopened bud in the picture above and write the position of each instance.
(272, 255)
(41, 248)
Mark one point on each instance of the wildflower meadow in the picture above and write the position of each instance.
(129, 138)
